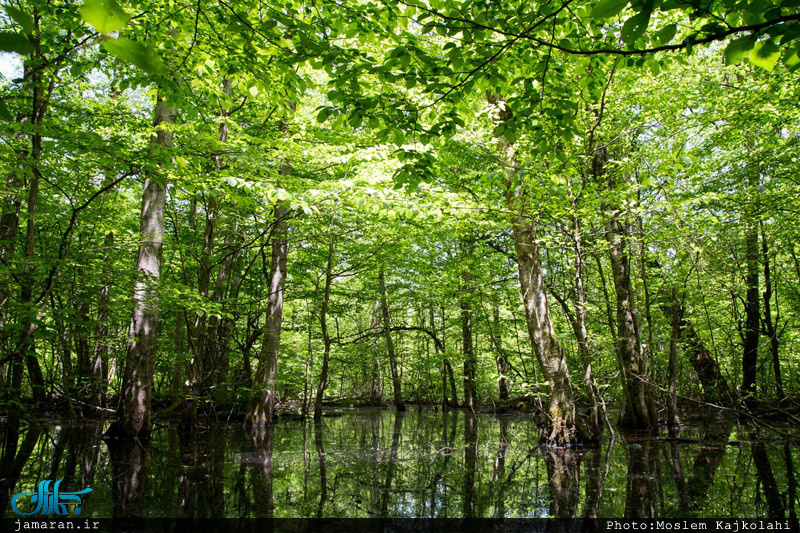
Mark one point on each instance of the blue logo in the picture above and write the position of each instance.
(47, 502)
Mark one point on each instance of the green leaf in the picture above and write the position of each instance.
(666, 33)
(765, 54)
(635, 26)
(791, 58)
(136, 54)
(738, 50)
(323, 115)
(510, 134)
(5, 114)
(15, 42)
(23, 19)
(608, 8)
(105, 15)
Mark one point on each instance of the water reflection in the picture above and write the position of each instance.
(378, 463)
(641, 494)
(128, 479)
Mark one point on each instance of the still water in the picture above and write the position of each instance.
(378, 463)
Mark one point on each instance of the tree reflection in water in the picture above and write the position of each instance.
(380, 463)
(641, 494)
(129, 478)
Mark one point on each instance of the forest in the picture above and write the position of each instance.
(576, 217)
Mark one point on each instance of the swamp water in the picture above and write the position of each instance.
(422, 463)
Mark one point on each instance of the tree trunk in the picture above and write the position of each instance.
(597, 413)
(561, 427)
(81, 336)
(99, 368)
(217, 331)
(220, 329)
(751, 305)
(639, 411)
(672, 404)
(387, 335)
(376, 387)
(176, 385)
(9, 229)
(500, 358)
(262, 401)
(770, 326)
(323, 320)
(24, 346)
(448, 368)
(309, 356)
(470, 399)
(143, 333)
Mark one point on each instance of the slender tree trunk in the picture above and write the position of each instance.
(309, 356)
(323, 320)
(612, 326)
(387, 335)
(432, 318)
(9, 229)
(470, 400)
(217, 331)
(770, 326)
(221, 328)
(639, 410)
(751, 305)
(672, 404)
(597, 413)
(451, 376)
(500, 358)
(262, 402)
(202, 371)
(99, 369)
(24, 346)
(137, 384)
(562, 426)
(376, 387)
(81, 336)
(176, 386)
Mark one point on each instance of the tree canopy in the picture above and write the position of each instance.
(210, 207)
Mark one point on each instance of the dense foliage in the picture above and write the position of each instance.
(211, 206)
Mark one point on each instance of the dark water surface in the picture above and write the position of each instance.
(376, 463)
